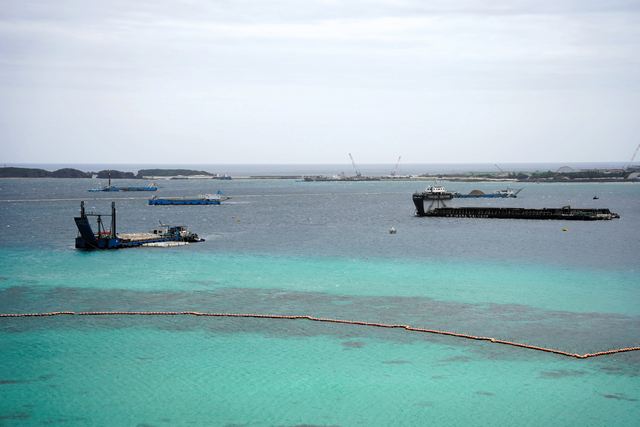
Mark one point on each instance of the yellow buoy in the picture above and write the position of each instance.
(565, 229)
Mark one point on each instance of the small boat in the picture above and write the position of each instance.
(202, 199)
(508, 192)
(179, 233)
(595, 197)
(392, 230)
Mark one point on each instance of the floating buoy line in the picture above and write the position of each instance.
(316, 319)
(239, 195)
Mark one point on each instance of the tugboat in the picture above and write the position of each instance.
(108, 239)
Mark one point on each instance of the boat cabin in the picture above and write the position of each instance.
(170, 230)
(435, 189)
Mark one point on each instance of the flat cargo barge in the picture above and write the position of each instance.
(202, 199)
(564, 213)
(114, 188)
(108, 239)
(436, 201)
(109, 187)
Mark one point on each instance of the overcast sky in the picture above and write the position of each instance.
(310, 81)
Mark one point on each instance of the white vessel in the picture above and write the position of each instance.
(433, 197)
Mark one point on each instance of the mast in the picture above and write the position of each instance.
(113, 220)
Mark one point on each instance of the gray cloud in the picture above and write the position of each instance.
(284, 81)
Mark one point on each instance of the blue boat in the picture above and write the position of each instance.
(109, 187)
(108, 239)
(150, 187)
(202, 199)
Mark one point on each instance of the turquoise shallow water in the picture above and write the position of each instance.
(325, 252)
(469, 281)
(162, 375)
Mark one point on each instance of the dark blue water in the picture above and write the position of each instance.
(320, 249)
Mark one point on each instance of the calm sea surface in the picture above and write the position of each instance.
(319, 249)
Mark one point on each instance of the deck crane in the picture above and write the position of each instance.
(354, 166)
(393, 174)
(633, 157)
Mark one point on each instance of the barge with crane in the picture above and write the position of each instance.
(107, 238)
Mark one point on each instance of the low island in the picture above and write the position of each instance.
(565, 174)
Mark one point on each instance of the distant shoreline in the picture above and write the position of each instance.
(563, 175)
(377, 179)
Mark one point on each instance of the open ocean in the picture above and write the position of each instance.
(319, 249)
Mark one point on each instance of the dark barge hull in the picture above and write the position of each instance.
(117, 243)
(566, 213)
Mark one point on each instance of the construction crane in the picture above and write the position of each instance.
(499, 168)
(633, 157)
(396, 168)
(354, 166)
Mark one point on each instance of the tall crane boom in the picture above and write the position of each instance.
(396, 168)
(633, 157)
(354, 165)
